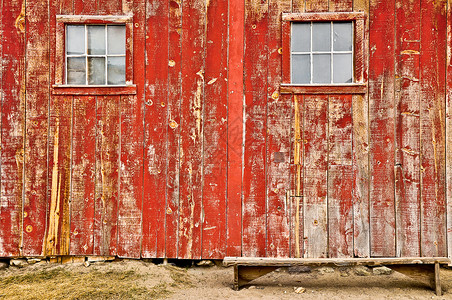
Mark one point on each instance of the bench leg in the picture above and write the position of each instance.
(244, 274)
(427, 274)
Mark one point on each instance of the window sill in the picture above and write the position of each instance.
(313, 89)
(95, 90)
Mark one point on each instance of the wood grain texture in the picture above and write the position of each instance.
(37, 106)
(155, 114)
(174, 129)
(316, 5)
(278, 140)
(340, 5)
(315, 148)
(192, 128)
(107, 172)
(235, 127)
(381, 118)
(83, 175)
(432, 110)
(13, 127)
(407, 97)
(449, 128)
(214, 184)
(254, 174)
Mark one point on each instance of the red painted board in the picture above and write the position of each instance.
(381, 118)
(173, 128)
(155, 122)
(432, 116)
(316, 5)
(86, 7)
(215, 132)
(278, 140)
(449, 129)
(407, 97)
(341, 5)
(340, 177)
(315, 148)
(254, 174)
(37, 105)
(131, 140)
(192, 128)
(235, 128)
(13, 126)
(107, 172)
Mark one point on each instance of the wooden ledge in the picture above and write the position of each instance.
(284, 262)
(86, 90)
(317, 89)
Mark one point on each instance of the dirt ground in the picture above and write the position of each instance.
(132, 279)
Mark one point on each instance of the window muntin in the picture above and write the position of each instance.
(322, 52)
(96, 54)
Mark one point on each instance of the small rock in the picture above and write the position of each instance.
(20, 263)
(3, 265)
(299, 269)
(205, 263)
(362, 271)
(32, 261)
(325, 270)
(382, 271)
(86, 263)
(299, 290)
(252, 287)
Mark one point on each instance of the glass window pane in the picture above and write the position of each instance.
(75, 39)
(342, 36)
(321, 36)
(116, 70)
(321, 68)
(96, 40)
(301, 68)
(96, 70)
(76, 70)
(116, 39)
(342, 68)
(301, 37)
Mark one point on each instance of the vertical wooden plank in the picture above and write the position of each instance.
(107, 171)
(449, 129)
(316, 5)
(407, 91)
(155, 154)
(254, 173)
(341, 5)
(235, 127)
(13, 127)
(432, 109)
(83, 175)
(278, 154)
(381, 114)
(37, 105)
(298, 5)
(340, 177)
(315, 215)
(173, 123)
(215, 131)
(360, 107)
(192, 124)
(131, 140)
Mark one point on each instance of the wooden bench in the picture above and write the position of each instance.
(422, 269)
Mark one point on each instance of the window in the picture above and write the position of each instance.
(323, 53)
(93, 55)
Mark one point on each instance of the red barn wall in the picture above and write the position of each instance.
(209, 159)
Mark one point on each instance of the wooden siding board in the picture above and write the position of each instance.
(83, 175)
(360, 107)
(192, 128)
(255, 86)
(235, 127)
(432, 110)
(107, 171)
(13, 127)
(341, 5)
(316, 5)
(407, 90)
(298, 6)
(315, 148)
(37, 104)
(155, 154)
(173, 126)
(131, 141)
(381, 118)
(215, 132)
(278, 140)
(449, 129)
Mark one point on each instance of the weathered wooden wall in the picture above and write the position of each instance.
(209, 159)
